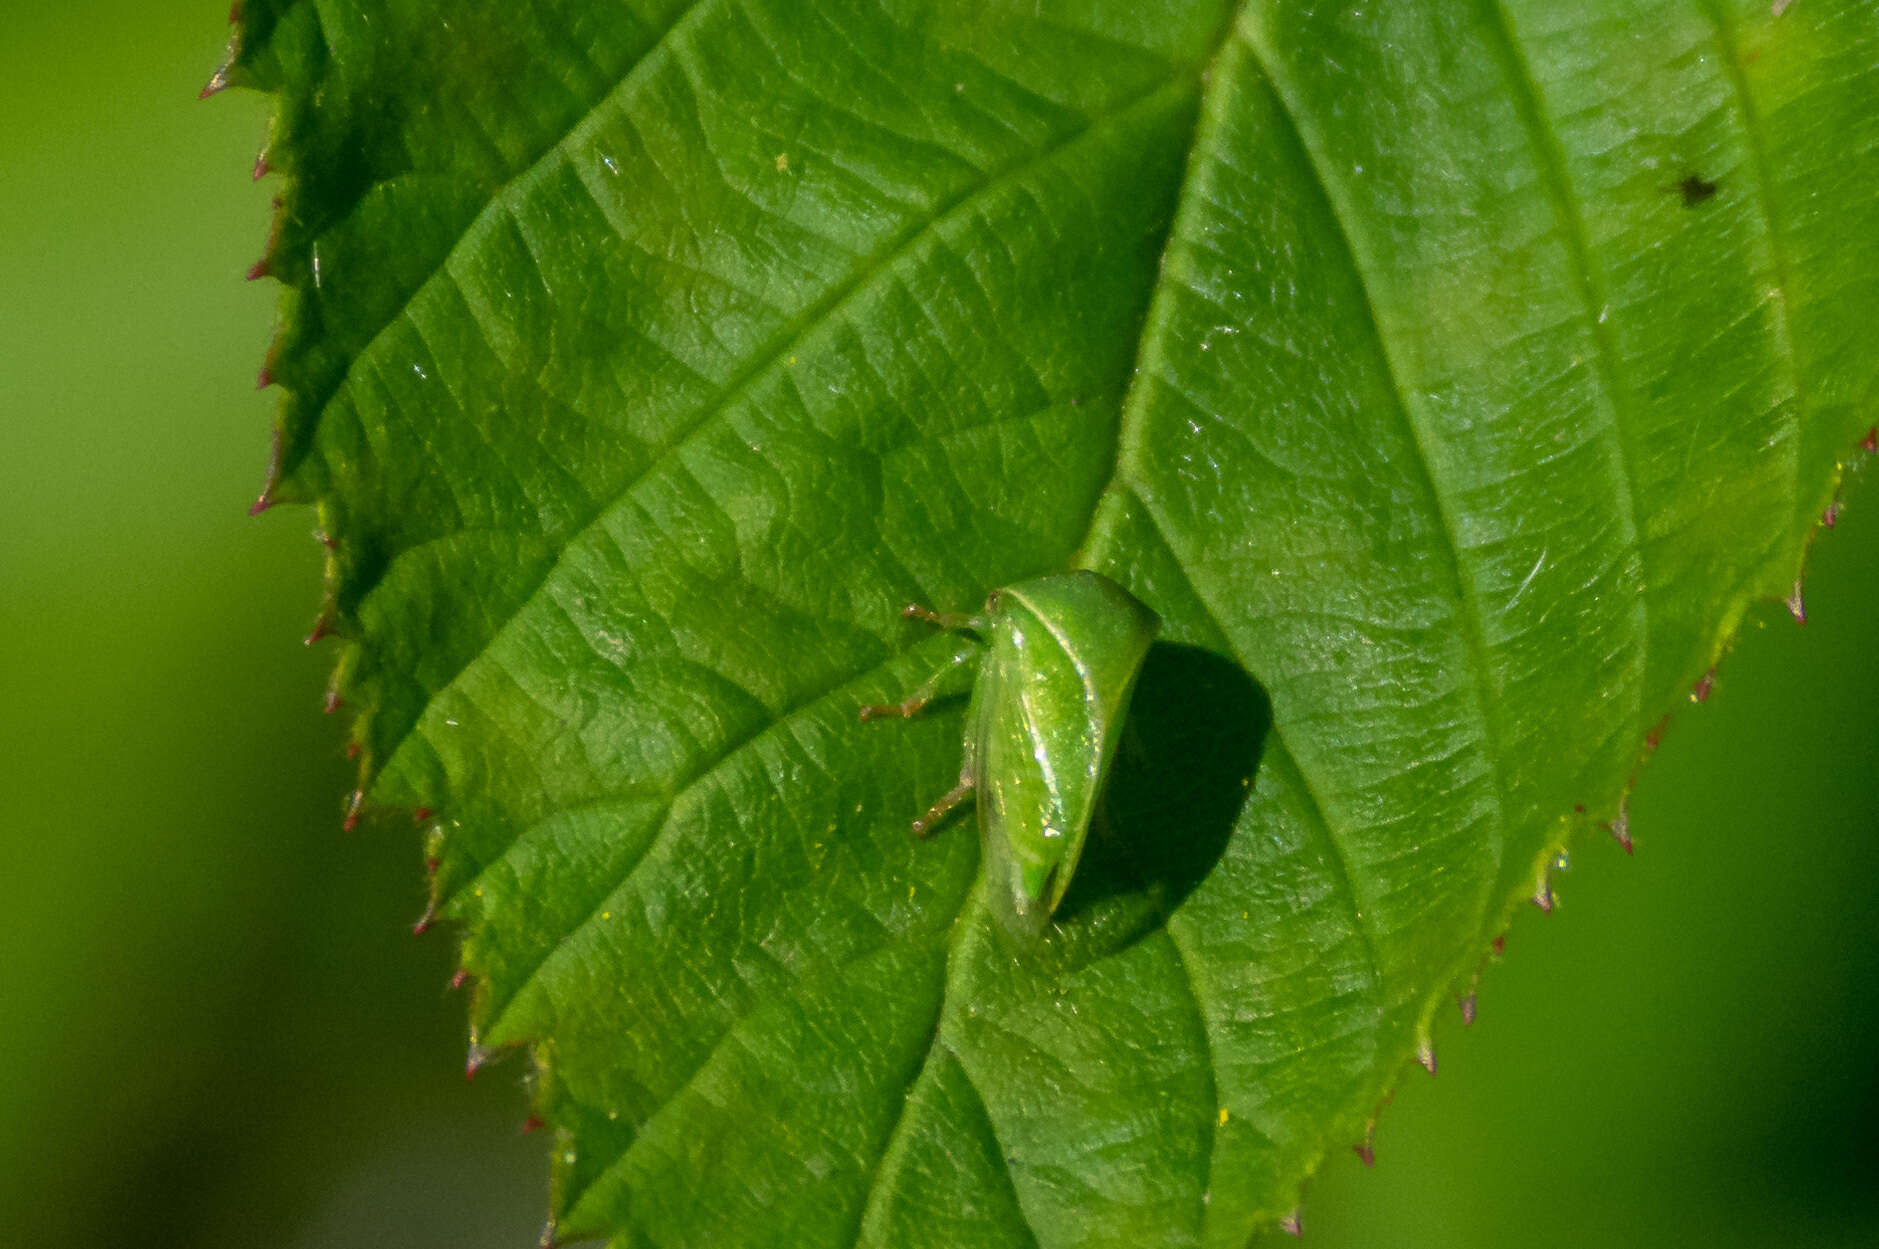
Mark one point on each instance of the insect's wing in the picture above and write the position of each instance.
(1062, 662)
(1027, 785)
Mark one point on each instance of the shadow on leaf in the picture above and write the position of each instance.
(1183, 771)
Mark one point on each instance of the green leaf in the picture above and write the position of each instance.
(1449, 376)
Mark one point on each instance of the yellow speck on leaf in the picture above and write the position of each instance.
(782, 162)
(1223, 1116)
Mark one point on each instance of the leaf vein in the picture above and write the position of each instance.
(822, 311)
(1340, 865)
(491, 202)
(1184, 964)
(1768, 202)
(1546, 146)
(1473, 631)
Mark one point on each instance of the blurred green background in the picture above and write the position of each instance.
(216, 1029)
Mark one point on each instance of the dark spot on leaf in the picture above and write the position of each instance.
(1695, 189)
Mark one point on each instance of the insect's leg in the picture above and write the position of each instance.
(951, 621)
(928, 689)
(923, 826)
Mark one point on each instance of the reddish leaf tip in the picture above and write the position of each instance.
(354, 805)
(1870, 443)
(1796, 607)
(333, 702)
(1366, 1154)
(1291, 1226)
(1467, 1004)
(1425, 1054)
(261, 167)
(257, 270)
(261, 504)
(1499, 945)
(422, 815)
(322, 628)
(1704, 685)
(1832, 515)
(352, 750)
(460, 978)
(1543, 898)
(534, 1123)
(264, 378)
(216, 85)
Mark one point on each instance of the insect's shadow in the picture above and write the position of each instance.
(1183, 772)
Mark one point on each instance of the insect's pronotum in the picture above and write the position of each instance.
(1058, 657)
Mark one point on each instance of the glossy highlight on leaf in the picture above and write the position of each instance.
(642, 359)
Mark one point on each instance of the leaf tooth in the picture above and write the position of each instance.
(1291, 1226)
(271, 482)
(1796, 607)
(1366, 1149)
(1704, 686)
(218, 82)
(1655, 737)
(1467, 1004)
(265, 499)
(355, 804)
(1544, 896)
(261, 166)
(479, 1057)
(1870, 443)
(459, 978)
(1425, 1054)
(1620, 827)
(533, 1124)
